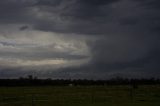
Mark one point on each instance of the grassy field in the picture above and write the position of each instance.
(80, 96)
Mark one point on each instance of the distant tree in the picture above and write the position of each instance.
(30, 77)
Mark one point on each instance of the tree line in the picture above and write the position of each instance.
(34, 81)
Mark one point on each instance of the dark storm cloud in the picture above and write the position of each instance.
(13, 11)
(78, 16)
(97, 17)
(23, 28)
(79, 2)
(126, 33)
(150, 4)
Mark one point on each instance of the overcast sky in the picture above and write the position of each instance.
(91, 39)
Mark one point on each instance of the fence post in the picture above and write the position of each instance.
(92, 97)
(131, 94)
(32, 100)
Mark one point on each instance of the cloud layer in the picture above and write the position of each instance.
(95, 39)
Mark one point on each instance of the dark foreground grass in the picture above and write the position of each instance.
(80, 96)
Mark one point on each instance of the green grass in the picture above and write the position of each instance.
(80, 96)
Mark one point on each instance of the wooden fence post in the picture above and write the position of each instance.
(33, 100)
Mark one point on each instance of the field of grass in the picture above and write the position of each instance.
(80, 96)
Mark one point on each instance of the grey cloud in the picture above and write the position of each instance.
(41, 55)
(79, 16)
(125, 33)
(6, 43)
(13, 11)
(84, 2)
(104, 18)
(76, 16)
(48, 2)
(150, 4)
